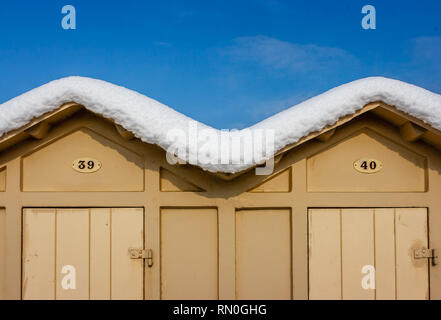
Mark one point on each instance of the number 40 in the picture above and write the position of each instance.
(371, 165)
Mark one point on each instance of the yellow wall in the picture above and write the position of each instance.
(136, 175)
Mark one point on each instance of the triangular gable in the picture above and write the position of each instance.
(280, 182)
(170, 182)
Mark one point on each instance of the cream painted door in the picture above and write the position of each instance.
(82, 253)
(349, 246)
(189, 254)
(263, 254)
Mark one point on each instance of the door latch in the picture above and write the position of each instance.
(142, 254)
(424, 253)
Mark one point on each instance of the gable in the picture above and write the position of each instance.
(398, 169)
(50, 168)
(170, 182)
(280, 182)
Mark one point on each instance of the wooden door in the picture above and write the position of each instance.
(189, 254)
(347, 245)
(263, 254)
(82, 253)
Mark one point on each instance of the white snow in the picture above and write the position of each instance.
(152, 121)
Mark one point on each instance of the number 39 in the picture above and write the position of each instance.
(86, 165)
(82, 164)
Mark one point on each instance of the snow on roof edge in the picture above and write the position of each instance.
(152, 121)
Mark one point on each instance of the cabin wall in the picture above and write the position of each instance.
(33, 174)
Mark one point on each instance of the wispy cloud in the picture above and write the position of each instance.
(423, 65)
(277, 55)
(267, 108)
(162, 44)
(260, 76)
(427, 50)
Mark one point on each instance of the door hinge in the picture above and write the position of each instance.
(142, 254)
(424, 253)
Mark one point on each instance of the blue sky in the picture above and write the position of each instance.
(229, 64)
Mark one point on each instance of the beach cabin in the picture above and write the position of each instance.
(92, 208)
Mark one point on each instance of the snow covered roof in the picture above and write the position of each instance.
(152, 121)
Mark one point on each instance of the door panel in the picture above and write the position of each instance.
(90, 245)
(324, 250)
(189, 254)
(385, 254)
(411, 232)
(357, 251)
(127, 274)
(263, 254)
(39, 254)
(72, 249)
(100, 254)
(343, 241)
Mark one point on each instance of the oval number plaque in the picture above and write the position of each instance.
(86, 165)
(366, 165)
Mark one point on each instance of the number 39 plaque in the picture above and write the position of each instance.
(86, 165)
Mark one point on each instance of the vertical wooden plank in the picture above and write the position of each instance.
(14, 232)
(3, 179)
(38, 254)
(357, 252)
(299, 200)
(189, 254)
(2, 254)
(263, 255)
(385, 254)
(411, 233)
(152, 203)
(227, 259)
(324, 254)
(100, 254)
(127, 275)
(72, 249)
